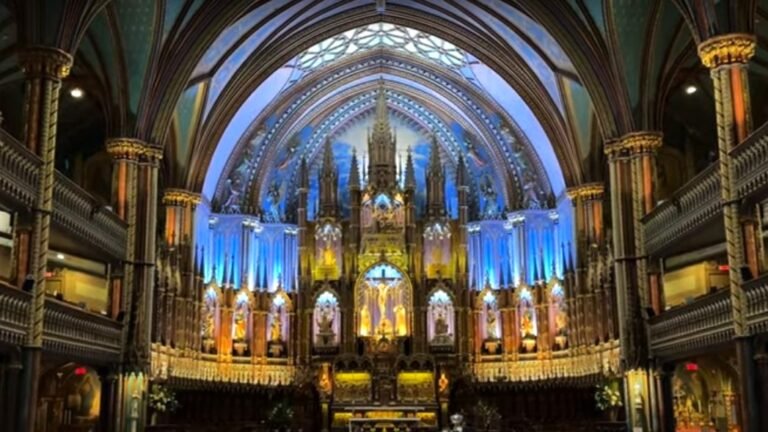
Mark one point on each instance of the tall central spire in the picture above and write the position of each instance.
(381, 145)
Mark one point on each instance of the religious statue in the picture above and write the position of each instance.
(329, 257)
(276, 330)
(384, 323)
(240, 326)
(325, 322)
(232, 203)
(273, 194)
(490, 323)
(441, 325)
(400, 322)
(489, 194)
(365, 321)
(526, 324)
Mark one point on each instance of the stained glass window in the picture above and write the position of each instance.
(383, 35)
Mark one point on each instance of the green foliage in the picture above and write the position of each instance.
(608, 395)
(162, 399)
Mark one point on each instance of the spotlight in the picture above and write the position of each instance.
(691, 89)
(76, 93)
(60, 256)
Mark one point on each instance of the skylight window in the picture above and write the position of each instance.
(382, 35)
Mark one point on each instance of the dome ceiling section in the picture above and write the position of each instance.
(491, 123)
(478, 135)
(509, 63)
(352, 112)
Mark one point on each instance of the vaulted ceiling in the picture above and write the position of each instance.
(528, 86)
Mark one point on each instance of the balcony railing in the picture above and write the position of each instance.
(75, 210)
(751, 162)
(697, 202)
(704, 322)
(67, 329)
(757, 304)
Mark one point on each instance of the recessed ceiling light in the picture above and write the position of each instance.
(76, 93)
(60, 256)
(691, 89)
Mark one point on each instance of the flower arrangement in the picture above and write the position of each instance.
(608, 396)
(162, 399)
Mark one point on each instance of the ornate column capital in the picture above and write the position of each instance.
(727, 49)
(40, 61)
(633, 143)
(642, 142)
(180, 198)
(133, 149)
(586, 191)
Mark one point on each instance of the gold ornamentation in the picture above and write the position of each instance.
(642, 142)
(632, 144)
(727, 49)
(180, 198)
(133, 149)
(588, 191)
(46, 62)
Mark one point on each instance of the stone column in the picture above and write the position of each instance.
(44, 68)
(125, 154)
(109, 400)
(727, 56)
(632, 333)
(642, 147)
(663, 381)
(9, 413)
(146, 232)
(179, 234)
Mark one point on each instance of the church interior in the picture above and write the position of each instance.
(383, 215)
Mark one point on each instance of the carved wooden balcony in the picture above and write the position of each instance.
(693, 213)
(751, 165)
(67, 329)
(757, 304)
(693, 206)
(702, 323)
(76, 212)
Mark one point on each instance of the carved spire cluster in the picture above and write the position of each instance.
(328, 181)
(381, 146)
(435, 182)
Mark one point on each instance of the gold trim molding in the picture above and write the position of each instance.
(132, 149)
(47, 62)
(180, 197)
(634, 143)
(727, 49)
(589, 191)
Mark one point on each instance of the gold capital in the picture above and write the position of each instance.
(46, 62)
(587, 191)
(180, 197)
(727, 49)
(642, 142)
(133, 149)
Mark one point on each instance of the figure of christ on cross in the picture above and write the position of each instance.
(384, 288)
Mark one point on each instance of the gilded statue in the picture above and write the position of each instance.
(526, 324)
(329, 257)
(240, 326)
(365, 321)
(276, 330)
(400, 321)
